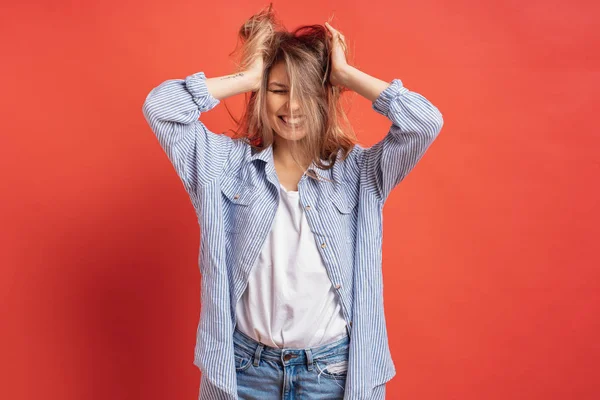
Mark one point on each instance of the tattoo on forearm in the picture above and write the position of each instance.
(233, 76)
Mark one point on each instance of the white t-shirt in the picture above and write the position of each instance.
(290, 301)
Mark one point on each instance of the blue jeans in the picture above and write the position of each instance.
(267, 373)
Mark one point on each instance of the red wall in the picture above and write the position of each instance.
(490, 245)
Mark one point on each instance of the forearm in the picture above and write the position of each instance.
(363, 83)
(231, 85)
(416, 122)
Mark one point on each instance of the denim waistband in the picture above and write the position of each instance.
(290, 356)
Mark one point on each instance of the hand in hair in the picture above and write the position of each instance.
(339, 63)
(257, 37)
(255, 70)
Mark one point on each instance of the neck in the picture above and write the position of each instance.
(282, 154)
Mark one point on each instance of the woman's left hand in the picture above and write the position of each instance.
(338, 56)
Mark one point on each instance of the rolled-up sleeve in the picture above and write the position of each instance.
(416, 123)
(172, 110)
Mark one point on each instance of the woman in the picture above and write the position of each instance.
(290, 213)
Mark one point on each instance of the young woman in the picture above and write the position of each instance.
(290, 214)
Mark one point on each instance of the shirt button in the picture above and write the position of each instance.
(338, 286)
(237, 196)
(323, 245)
(350, 323)
(307, 208)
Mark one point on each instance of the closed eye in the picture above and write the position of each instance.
(278, 91)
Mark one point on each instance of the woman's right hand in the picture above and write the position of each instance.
(256, 71)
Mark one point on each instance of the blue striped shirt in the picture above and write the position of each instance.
(235, 192)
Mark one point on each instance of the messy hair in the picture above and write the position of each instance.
(306, 53)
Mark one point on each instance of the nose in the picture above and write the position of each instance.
(293, 106)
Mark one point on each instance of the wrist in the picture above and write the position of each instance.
(345, 76)
(253, 80)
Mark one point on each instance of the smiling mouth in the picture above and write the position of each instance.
(296, 122)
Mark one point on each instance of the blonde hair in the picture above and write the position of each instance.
(306, 53)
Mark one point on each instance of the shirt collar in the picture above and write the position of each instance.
(266, 155)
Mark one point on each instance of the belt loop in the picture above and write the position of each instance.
(259, 349)
(309, 359)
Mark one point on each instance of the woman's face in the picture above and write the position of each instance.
(279, 106)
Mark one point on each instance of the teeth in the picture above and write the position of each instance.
(294, 121)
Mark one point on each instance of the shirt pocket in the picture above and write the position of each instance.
(344, 216)
(238, 203)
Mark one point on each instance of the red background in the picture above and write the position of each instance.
(490, 244)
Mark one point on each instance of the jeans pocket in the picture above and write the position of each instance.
(242, 362)
(332, 368)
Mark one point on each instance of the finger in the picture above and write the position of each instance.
(331, 28)
(335, 32)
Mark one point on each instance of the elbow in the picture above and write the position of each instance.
(149, 108)
(147, 111)
(439, 122)
(431, 126)
(436, 122)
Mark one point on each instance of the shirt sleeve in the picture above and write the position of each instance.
(415, 125)
(172, 110)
